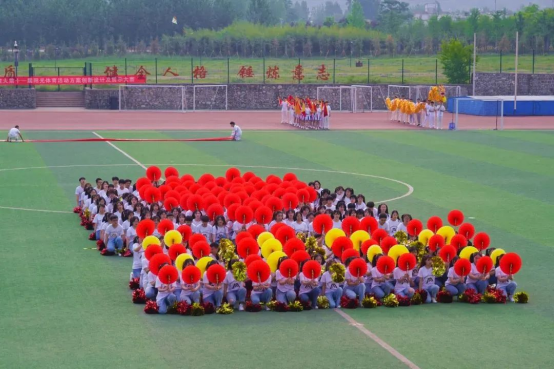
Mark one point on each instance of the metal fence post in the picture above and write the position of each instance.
(156, 63)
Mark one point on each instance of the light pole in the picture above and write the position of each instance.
(16, 59)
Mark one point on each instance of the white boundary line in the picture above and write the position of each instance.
(35, 210)
(377, 340)
(121, 151)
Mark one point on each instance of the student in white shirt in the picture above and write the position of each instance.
(285, 285)
(212, 293)
(505, 282)
(380, 287)
(14, 135)
(476, 280)
(234, 290)
(309, 288)
(329, 288)
(79, 190)
(353, 286)
(454, 284)
(236, 135)
(113, 235)
(393, 223)
(190, 293)
(427, 279)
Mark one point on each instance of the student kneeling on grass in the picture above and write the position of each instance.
(113, 235)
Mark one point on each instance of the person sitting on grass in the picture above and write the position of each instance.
(14, 135)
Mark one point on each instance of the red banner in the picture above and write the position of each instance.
(72, 80)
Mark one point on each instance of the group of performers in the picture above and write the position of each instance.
(304, 113)
(423, 113)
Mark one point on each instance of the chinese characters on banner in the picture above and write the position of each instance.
(72, 80)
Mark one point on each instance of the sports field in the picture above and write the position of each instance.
(63, 305)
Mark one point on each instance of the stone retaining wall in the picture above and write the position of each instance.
(22, 98)
(504, 83)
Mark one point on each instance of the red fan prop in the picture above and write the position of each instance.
(289, 268)
(385, 265)
(195, 202)
(311, 269)
(231, 210)
(436, 242)
(358, 267)
(458, 241)
(243, 235)
(387, 243)
(290, 201)
(481, 241)
(152, 250)
(276, 227)
(467, 230)
(414, 227)
(152, 195)
(275, 204)
(157, 261)
(369, 224)
(171, 203)
(145, 228)
(153, 173)
(247, 247)
(434, 223)
(300, 256)
(258, 271)
(341, 244)
(191, 275)
(447, 253)
(232, 173)
(185, 231)
(462, 267)
(378, 235)
(263, 215)
(244, 215)
(323, 223)
(284, 234)
(168, 274)
(175, 250)
(251, 258)
(255, 230)
(510, 263)
(455, 217)
(216, 274)
(407, 262)
(201, 249)
(350, 224)
(214, 210)
(165, 226)
(367, 244)
(293, 245)
(231, 199)
(484, 264)
(349, 253)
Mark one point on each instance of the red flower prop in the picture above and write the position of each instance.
(385, 265)
(232, 173)
(290, 201)
(139, 297)
(455, 217)
(447, 253)
(407, 262)
(185, 231)
(276, 227)
(481, 241)
(263, 215)
(436, 242)
(214, 210)
(467, 230)
(168, 274)
(231, 211)
(284, 234)
(369, 224)
(134, 284)
(201, 249)
(462, 267)
(484, 265)
(216, 274)
(175, 250)
(244, 214)
(341, 244)
(152, 250)
(367, 244)
(323, 223)
(350, 224)
(274, 203)
(387, 243)
(311, 269)
(300, 256)
(289, 268)
(251, 258)
(195, 202)
(191, 274)
(378, 235)
(349, 253)
(247, 247)
(358, 267)
(414, 227)
(458, 241)
(510, 263)
(434, 223)
(151, 308)
(345, 302)
(157, 261)
(153, 173)
(255, 230)
(258, 271)
(171, 203)
(293, 245)
(171, 171)
(152, 195)
(165, 225)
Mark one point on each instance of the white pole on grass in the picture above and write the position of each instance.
(515, 82)
(474, 59)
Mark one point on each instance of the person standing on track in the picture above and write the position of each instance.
(14, 135)
(236, 135)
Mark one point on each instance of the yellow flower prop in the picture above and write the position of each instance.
(263, 237)
(180, 261)
(172, 237)
(270, 246)
(149, 240)
(467, 252)
(397, 251)
(273, 259)
(497, 253)
(332, 235)
(358, 237)
(447, 232)
(202, 262)
(372, 251)
(424, 236)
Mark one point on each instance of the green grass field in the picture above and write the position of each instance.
(417, 69)
(63, 305)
